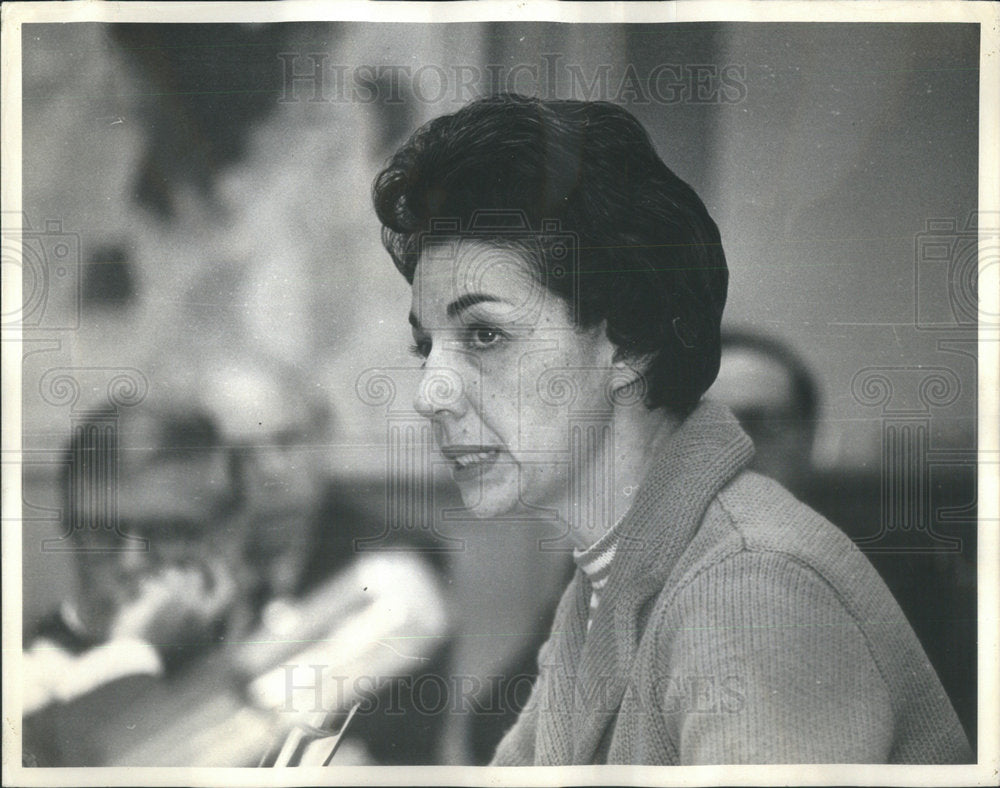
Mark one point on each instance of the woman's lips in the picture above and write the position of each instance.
(467, 462)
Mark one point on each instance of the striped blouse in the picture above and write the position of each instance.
(595, 563)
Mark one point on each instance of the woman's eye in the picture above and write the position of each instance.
(484, 337)
(421, 349)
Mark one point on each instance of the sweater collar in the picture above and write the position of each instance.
(703, 455)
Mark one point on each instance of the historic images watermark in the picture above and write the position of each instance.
(314, 77)
(90, 521)
(46, 257)
(950, 256)
(313, 688)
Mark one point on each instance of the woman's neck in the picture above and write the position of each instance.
(614, 469)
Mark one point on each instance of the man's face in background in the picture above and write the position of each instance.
(761, 390)
(172, 503)
(223, 491)
(282, 440)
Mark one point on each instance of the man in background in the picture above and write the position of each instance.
(771, 391)
(233, 558)
(154, 509)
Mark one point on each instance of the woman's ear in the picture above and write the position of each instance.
(630, 368)
(628, 379)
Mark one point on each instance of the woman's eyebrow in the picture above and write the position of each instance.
(469, 299)
(458, 305)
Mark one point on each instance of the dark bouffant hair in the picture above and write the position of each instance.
(649, 258)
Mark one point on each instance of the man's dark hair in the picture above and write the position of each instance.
(649, 258)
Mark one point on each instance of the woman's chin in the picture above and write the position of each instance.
(499, 495)
(484, 500)
(485, 504)
(486, 507)
(488, 491)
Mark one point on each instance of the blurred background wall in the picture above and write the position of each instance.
(239, 207)
(219, 214)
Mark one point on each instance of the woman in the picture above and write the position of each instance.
(567, 294)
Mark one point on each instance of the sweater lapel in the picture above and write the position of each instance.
(702, 456)
(557, 713)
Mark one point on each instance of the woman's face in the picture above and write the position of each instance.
(507, 375)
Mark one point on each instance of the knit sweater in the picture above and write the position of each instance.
(736, 626)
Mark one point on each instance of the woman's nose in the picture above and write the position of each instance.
(441, 390)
